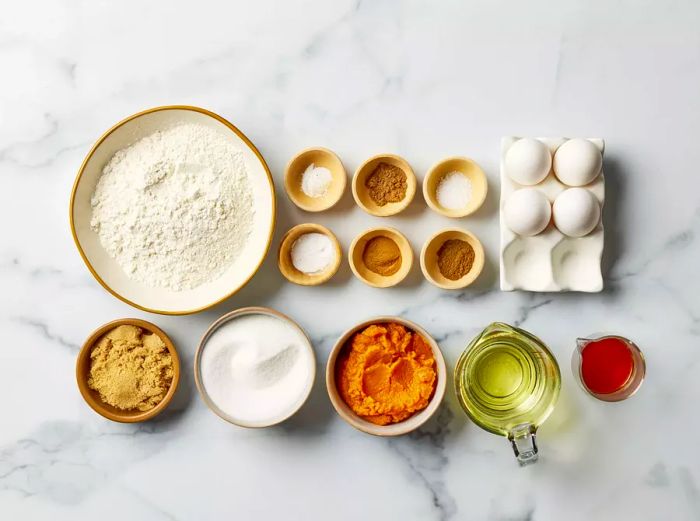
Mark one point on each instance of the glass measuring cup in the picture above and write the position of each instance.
(508, 382)
(618, 361)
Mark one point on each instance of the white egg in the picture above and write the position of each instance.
(576, 212)
(528, 161)
(577, 162)
(527, 212)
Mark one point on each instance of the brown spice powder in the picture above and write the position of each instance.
(382, 256)
(130, 369)
(455, 258)
(386, 184)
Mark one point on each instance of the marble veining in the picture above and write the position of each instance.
(423, 80)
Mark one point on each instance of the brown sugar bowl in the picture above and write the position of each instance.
(322, 157)
(284, 257)
(429, 259)
(366, 275)
(395, 429)
(361, 192)
(92, 397)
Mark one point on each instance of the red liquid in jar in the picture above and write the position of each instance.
(606, 365)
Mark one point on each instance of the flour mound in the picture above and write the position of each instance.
(175, 209)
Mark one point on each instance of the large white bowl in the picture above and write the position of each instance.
(107, 271)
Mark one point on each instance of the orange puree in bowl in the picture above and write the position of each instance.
(386, 373)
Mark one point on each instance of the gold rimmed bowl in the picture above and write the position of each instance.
(106, 270)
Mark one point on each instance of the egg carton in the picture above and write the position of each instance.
(550, 261)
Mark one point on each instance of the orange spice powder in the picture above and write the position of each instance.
(386, 373)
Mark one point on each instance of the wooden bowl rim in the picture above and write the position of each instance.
(430, 196)
(305, 279)
(390, 208)
(404, 245)
(328, 202)
(82, 363)
(471, 276)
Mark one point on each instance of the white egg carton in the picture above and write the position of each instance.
(550, 260)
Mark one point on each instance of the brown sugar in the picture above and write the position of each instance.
(130, 368)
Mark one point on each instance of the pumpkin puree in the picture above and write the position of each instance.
(386, 373)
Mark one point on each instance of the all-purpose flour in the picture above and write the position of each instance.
(175, 209)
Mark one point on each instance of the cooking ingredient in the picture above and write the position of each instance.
(606, 365)
(528, 161)
(257, 369)
(315, 181)
(577, 162)
(312, 253)
(455, 258)
(386, 373)
(130, 368)
(576, 212)
(382, 256)
(454, 191)
(386, 184)
(507, 378)
(527, 212)
(175, 209)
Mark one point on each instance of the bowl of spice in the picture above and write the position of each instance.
(315, 179)
(128, 370)
(384, 185)
(455, 187)
(309, 255)
(254, 367)
(386, 376)
(381, 257)
(452, 259)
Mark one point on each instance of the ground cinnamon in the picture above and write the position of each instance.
(386, 184)
(455, 259)
(382, 256)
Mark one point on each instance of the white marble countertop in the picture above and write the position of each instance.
(360, 78)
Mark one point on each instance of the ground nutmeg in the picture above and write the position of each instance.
(455, 258)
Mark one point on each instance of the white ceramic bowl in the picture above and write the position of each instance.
(199, 381)
(107, 271)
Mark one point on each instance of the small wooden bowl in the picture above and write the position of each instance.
(429, 258)
(284, 256)
(253, 310)
(362, 272)
(92, 397)
(361, 194)
(295, 170)
(395, 429)
(455, 164)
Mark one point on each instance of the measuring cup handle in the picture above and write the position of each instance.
(523, 440)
